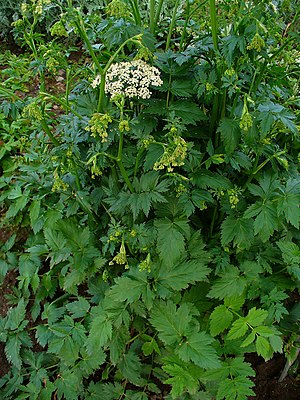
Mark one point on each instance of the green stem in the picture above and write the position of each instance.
(213, 19)
(172, 24)
(185, 26)
(152, 16)
(158, 11)
(125, 176)
(78, 184)
(49, 133)
(136, 12)
(62, 102)
(82, 32)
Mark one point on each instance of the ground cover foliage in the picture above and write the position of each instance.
(150, 193)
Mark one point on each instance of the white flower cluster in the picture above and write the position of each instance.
(130, 79)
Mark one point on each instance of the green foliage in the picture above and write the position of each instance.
(153, 238)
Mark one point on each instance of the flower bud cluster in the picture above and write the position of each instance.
(130, 79)
(145, 265)
(98, 125)
(33, 111)
(121, 257)
(58, 184)
(257, 43)
(246, 120)
(117, 9)
(58, 29)
(233, 196)
(173, 156)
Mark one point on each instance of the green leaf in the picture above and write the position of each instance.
(78, 308)
(238, 329)
(131, 368)
(188, 111)
(230, 284)
(171, 322)
(238, 388)
(117, 344)
(263, 348)
(220, 319)
(197, 348)
(276, 343)
(12, 350)
(266, 220)
(170, 239)
(16, 206)
(59, 249)
(34, 211)
(289, 202)
(15, 316)
(239, 230)
(181, 379)
(230, 134)
(256, 317)
(129, 288)
(182, 275)
(100, 333)
(90, 362)
(249, 339)
(105, 391)
(69, 385)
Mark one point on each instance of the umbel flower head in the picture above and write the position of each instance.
(130, 79)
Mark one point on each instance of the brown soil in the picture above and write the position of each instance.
(266, 382)
(5, 289)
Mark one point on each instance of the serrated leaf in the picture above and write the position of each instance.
(220, 319)
(90, 362)
(249, 339)
(183, 274)
(171, 322)
(266, 220)
(239, 230)
(34, 210)
(69, 385)
(78, 308)
(289, 202)
(117, 344)
(239, 328)
(15, 316)
(12, 350)
(131, 368)
(276, 343)
(100, 333)
(263, 348)
(238, 388)
(181, 380)
(230, 284)
(170, 240)
(188, 111)
(256, 317)
(105, 391)
(230, 134)
(197, 348)
(129, 288)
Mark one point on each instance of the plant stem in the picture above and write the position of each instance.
(49, 133)
(213, 20)
(158, 11)
(172, 24)
(152, 16)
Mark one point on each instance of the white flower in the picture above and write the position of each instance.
(96, 81)
(131, 79)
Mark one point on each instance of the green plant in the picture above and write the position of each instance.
(162, 208)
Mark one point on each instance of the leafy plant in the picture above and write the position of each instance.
(159, 189)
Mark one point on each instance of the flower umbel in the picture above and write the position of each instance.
(130, 79)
